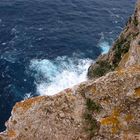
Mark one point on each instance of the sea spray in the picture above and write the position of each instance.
(104, 46)
(52, 76)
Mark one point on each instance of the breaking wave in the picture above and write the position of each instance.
(52, 76)
(104, 46)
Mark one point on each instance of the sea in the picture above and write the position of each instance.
(47, 45)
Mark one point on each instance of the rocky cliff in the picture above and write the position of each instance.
(121, 50)
(104, 108)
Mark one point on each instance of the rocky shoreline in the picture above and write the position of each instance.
(106, 107)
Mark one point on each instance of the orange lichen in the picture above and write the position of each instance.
(25, 105)
(114, 130)
(125, 57)
(120, 71)
(112, 120)
(116, 112)
(11, 133)
(137, 92)
(124, 60)
(129, 117)
(93, 89)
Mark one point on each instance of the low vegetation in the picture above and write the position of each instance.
(101, 68)
(92, 126)
(135, 21)
(92, 106)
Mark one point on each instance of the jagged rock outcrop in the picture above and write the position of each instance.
(103, 109)
(121, 49)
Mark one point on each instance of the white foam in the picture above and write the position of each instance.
(27, 96)
(53, 76)
(104, 46)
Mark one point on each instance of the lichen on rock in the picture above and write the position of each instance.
(106, 107)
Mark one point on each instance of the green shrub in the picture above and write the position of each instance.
(121, 47)
(92, 126)
(91, 123)
(92, 106)
(99, 69)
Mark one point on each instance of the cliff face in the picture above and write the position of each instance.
(103, 109)
(124, 51)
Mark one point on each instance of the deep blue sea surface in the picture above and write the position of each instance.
(47, 45)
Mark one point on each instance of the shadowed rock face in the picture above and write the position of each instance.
(103, 109)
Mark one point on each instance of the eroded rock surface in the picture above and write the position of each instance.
(107, 108)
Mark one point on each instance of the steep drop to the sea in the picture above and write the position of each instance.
(103, 109)
(121, 54)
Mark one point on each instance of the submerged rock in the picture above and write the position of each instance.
(103, 109)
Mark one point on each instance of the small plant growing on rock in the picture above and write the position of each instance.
(100, 69)
(121, 47)
(91, 123)
(135, 21)
(92, 106)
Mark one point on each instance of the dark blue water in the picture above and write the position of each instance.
(37, 35)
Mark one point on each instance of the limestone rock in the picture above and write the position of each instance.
(105, 108)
